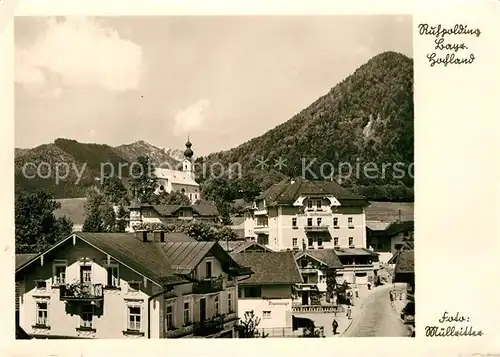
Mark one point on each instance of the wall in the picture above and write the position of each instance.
(275, 298)
(114, 309)
(281, 228)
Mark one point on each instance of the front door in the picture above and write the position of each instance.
(203, 310)
(305, 298)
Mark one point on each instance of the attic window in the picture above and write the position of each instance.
(162, 188)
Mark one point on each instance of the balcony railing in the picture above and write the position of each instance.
(81, 291)
(316, 228)
(317, 308)
(309, 270)
(261, 229)
(207, 286)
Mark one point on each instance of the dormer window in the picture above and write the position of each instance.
(309, 204)
(318, 204)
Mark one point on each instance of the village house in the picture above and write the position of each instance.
(269, 290)
(129, 285)
(183, 181)
(316, 267)
(146, 214)
(386, 239)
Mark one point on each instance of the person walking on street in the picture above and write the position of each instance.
(348, 312)
(335, 325)
(391, 297)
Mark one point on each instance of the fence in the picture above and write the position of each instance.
(278, 332)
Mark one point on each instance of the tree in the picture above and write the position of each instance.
(225, 234)
(247, 327)
(143, 180)
(100, 214)
(113, 188)
(174, 198)
(37, 228)
(121, 222)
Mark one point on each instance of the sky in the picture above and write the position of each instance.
(221, 80)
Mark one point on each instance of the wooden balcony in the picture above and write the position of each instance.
(208, 286)
(81, 292)
(316, 228)
(317, 308)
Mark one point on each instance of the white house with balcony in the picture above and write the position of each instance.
(269, 291)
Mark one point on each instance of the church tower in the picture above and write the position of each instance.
(187, 163)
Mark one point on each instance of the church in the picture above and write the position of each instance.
(180, 180)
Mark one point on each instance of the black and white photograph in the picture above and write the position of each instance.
(214, 176)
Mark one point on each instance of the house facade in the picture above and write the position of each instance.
(300, 214)
(183, 181)
(316, 268)
(121, 285)
(269, 291)
(146, 214)
(389, 239)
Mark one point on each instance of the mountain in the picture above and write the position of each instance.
(80, 165)
(366, 118)
(160, 157)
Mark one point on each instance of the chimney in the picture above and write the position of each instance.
(142, 234)
(159, 235)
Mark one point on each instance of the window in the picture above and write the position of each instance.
(134, 318)
(336, 241)
(162, 187)
(266, 314)
(351, 242)
(113, 279)
(181, 214)
(320, 242)
(169, 317)
(186, 313)
(41, 284)
(336, 222)
(208, 269)
(134, 285)
(309, 242)
(318, 221)
(87, 316)
(303, 263)
(190, 196)
(309, 222)
(86, 274)
(309, 204)
(318, 204)
(294, 242)
(216, 305)
(349, 222)
(252, 292)
(229, 303)
(59, 274)
(42, 314)
(294, 222)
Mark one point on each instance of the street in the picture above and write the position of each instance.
(377, 318)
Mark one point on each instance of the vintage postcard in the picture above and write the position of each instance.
(174, 173)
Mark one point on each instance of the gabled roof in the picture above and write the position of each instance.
(409, 245)
(169, 210)
(22, 259)
(287, 192)
(269, 268)
(405, 263)
(250, 246)
(163, 263)
(178, 237)
(399, 227)
(327, 257)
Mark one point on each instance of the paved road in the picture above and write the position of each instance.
(377, 318)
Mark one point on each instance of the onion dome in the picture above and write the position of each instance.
(188, 153)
